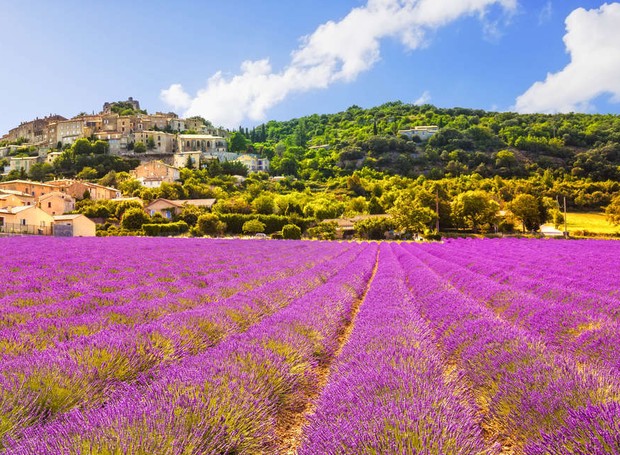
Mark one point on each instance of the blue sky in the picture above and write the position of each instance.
(306, 56)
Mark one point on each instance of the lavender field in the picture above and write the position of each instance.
(195, 346)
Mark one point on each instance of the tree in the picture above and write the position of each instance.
(253, 227)
(324, 231)
(40, 172)
(123, 206)
(474, 209)
(291, 232)
(374, 228)
(87, 173)
(527, 209)
(82, 147)
(409, 214)
(150, 143)
(264, 204)
(134, 218)
(237, 142)
(139, 147)
(100, 147)
(210, 224)
(612, 212)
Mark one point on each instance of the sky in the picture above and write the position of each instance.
(242, 62)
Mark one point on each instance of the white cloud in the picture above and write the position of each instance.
(334, 52)
(176, 97)
(423, 99)
(545, 13)
(593, 41)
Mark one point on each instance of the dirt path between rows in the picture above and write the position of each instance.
(292, 436)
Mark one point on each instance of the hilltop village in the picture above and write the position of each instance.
(128, 132)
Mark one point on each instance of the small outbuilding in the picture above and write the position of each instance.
(76, 225)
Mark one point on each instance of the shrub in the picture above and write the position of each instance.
(134, 218)
(209, 224)
(291, 232)
(253, 227)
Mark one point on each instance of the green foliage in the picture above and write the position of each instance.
(139, 147)
(474, 209)
(528, 209)
(374, 228)
(167, 229)
(410, 215)
(134, 218)
(87, 173)
(291, 232)
(41, 172)
(253, 227)
(237, 143)
(324, 231)
(612, 212)
(150, 143)
(210, 224)
(264, 204)
(233, 168)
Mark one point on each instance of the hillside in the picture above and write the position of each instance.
(469, 141)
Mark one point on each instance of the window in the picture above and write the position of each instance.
(22, 221)
(49, 205)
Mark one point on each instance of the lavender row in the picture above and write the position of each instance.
(119, 311)
(565, 265)
(522, 389)
(572, 328)
(390, 391)
(556, 281)
(81, 286)
(238, 397)
(87, 370)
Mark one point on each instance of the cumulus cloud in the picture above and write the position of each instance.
(334, 52)
(593, 41)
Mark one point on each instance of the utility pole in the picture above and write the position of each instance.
(437, 209)
(565, 228)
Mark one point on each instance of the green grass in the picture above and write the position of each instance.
(589, 221)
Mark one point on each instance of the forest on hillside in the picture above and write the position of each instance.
(469, 141)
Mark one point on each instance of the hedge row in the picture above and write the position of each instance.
(154, 230)
(273, 223)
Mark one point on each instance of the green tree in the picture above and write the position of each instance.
(134, 218)
(612, 212)
(123, 206)
(264, 204)
(139, 147)
(527, 209)
(410, 215)
(374, 228)
(253, 227)
(150, 143)
(41, 172)
(210, 224)
(82, 147)
(291, 232)
(100, 147)
(237, 143)
(87, 173)
(324, 231)
(474, 209)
